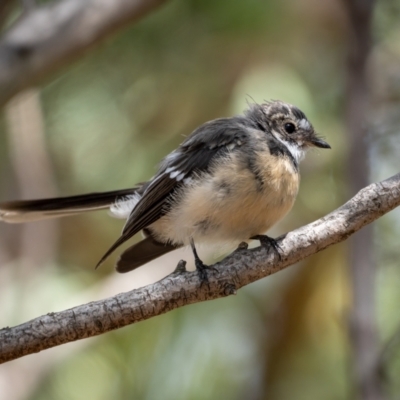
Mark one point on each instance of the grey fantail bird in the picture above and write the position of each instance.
(231, 180)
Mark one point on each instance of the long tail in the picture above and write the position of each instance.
(34, 210)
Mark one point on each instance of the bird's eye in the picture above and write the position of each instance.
(289, 127)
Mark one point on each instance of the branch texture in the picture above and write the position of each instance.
(242, 267)
(42, 41)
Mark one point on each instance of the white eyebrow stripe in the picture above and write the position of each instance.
(304, 124)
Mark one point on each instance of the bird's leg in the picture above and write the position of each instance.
(269, 243)
(200, 266)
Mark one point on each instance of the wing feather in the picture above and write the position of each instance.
(195, 155)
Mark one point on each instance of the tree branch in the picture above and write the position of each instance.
(242, 267)
(49, 37)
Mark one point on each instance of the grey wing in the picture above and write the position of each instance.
(195, 155)
(148, 210)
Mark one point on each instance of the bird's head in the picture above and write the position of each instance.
(287, 124)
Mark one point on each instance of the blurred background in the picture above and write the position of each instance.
(104, 123)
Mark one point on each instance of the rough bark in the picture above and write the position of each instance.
(181, 288)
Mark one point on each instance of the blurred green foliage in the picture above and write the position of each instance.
(112, 116)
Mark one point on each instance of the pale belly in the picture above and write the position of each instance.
(230, 206)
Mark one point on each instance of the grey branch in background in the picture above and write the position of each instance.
(242, 267)
(51, 36)
(34, 174)
(363, 327)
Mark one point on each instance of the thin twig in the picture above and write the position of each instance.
(182, 288)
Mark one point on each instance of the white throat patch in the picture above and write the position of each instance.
(296, 151)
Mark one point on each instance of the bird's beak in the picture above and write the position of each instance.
(317, 142)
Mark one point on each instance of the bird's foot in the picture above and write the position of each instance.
(202, 270)
(200, 266)
(269, 243)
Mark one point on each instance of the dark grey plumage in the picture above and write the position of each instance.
(245, 143)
